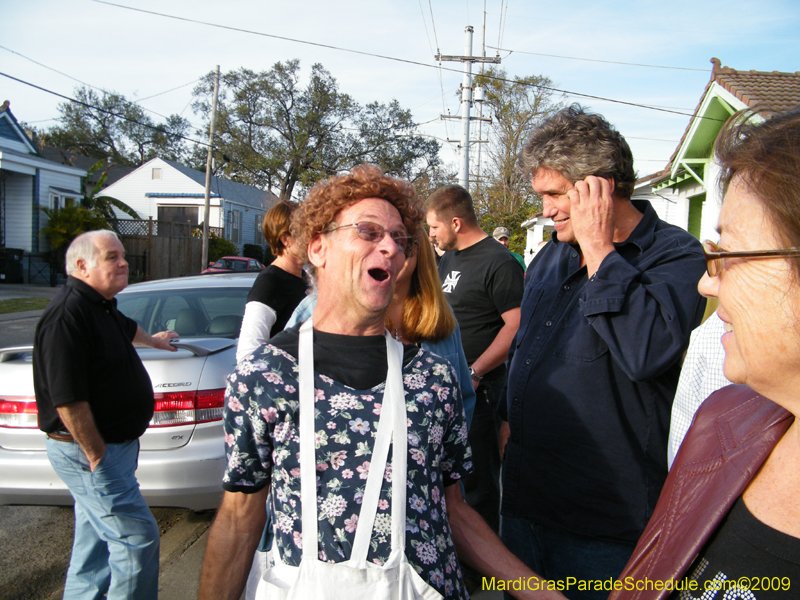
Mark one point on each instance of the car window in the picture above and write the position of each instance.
(197, 312)
(220, 264)
(171, 307)
(229, 303)
(239, 265)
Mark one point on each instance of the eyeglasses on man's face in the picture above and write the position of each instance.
(372, 232)
(715, 256)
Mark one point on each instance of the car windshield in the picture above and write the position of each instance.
(198, 312)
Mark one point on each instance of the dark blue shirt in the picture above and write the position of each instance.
(593, 371)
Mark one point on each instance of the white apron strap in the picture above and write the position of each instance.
(392, 397)
(399, 444)
(308, 466)
(391, 424)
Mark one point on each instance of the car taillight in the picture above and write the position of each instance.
(209, 405)
(183, 408)
(19, 412)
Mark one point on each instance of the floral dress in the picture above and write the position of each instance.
(262, 445)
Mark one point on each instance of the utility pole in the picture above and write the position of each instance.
(479, 96)
(209, 162)
(466, 102)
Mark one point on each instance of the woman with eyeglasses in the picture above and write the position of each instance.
(727, 523)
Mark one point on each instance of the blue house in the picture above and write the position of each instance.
(28, 182)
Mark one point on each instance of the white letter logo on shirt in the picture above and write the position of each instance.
(451, 281)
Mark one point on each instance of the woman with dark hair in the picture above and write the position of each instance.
(727, 523)
(279, 288)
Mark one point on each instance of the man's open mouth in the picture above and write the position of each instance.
(379, 274)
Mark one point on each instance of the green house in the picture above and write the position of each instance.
(692, 173)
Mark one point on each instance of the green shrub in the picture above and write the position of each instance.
(64, 225)
(253, 251)
(219, 247)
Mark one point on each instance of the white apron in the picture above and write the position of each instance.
(354, 579)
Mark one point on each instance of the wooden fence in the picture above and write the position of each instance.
(160, 249)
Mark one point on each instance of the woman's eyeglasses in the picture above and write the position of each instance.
(715, 256)
(372, 232)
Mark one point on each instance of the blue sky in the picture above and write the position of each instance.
(576, 44)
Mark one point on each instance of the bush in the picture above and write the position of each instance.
(64, 225)
(253, 251)
(219, 247)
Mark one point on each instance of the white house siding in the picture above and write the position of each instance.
(19, 201)
(133, 188)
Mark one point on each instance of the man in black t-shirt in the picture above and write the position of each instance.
(483, 284)
(94, 400)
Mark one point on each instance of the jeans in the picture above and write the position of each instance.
(556, 555)
(115, 550)
(482, 486)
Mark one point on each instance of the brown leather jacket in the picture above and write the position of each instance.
(733, 433)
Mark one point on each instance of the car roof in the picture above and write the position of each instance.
(212, 280)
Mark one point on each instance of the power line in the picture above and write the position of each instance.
(168, 91)
(391, 58)
(433, 24)
(425, 24)
(610, 62)
(46, 67)
(503, 22)
(94, 87)
(159, 128)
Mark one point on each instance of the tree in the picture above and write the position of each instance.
(504, 197)
(282, 135)
(108, 125)
(105, 205)
(65, 224)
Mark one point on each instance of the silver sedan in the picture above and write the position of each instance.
(182, 452)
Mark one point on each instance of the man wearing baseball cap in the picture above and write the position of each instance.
(502, 235)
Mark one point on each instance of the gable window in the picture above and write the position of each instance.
(57, 201)
(156, 173)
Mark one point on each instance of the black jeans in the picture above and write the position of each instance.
(482, 486)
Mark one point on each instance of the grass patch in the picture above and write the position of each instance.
(13, 305)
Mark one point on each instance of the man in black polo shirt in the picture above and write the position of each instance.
(95, 399)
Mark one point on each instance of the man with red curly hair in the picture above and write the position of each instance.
(308, 421)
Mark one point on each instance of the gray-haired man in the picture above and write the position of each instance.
(95, 399)
(608, 309)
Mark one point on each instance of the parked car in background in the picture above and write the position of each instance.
(234, 263)
(182, 454)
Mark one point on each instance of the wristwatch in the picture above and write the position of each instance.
(474, 375)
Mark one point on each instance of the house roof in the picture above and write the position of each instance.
(229, 190)
(11, 129)
(65, 157)
(765, 92)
